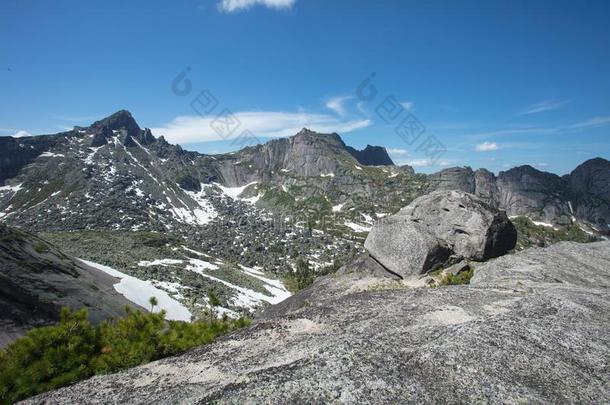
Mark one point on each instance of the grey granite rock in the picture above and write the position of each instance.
(563, 265)
(487, 342)
(437, 227)
(469, 226)
(404, 247)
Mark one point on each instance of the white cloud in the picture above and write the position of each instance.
(546, 105)
(397, 151)
(231, 6)
(269, 124)
(592, 123)
(21, 134)
(407, 105)
(337, 104)
(428, 163)
(486, 147)
(541, 164)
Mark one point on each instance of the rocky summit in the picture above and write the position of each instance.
(531, 327)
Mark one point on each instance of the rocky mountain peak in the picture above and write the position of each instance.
(308, 135)
(371, 156)
(119, 120)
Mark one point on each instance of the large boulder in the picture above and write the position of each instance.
(438, 228)
(404, 247)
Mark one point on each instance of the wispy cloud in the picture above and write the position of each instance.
(591, 123)
(486, 147)
(397, 151)
(428, 163)
(272, 124)
(21, 134)
(407, 105)
(337, 104)
(546, 105)
(232, 6)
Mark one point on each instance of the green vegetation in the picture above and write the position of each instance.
(463, 277)
(304, 275)
(40, 247)
(530, 234)
(54, 356)
(153, 303)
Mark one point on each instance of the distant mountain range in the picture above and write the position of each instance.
(236, 223)
(118, 167)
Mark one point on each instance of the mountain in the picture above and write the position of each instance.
(37, 280)
(237, 223)
(533, 323)
(371, 156)
(583, 195)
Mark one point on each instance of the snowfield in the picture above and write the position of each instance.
(139, 292)
(234, 192)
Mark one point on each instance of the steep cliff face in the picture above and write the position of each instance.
(526, 190)
(589, 192)
(307, 154)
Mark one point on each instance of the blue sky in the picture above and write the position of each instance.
(497, 83)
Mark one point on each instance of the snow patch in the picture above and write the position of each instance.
(14, 189)
(89, 158)
(50, 154)
(159, 262)
(234, 192)
(139, 292)
(540, 223)
(338, 207)
(277, 289)
(357, 227)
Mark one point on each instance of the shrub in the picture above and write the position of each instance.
(463, 277)
(304, 276)
(54, 356)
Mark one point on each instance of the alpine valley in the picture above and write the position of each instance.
(112, 205)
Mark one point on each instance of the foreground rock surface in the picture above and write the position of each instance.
(437, 227)
(531, 328)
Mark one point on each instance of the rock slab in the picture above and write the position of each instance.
(487, 342)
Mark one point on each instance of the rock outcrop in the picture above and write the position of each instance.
(438, 227)
(512, 336)
(371, 156)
